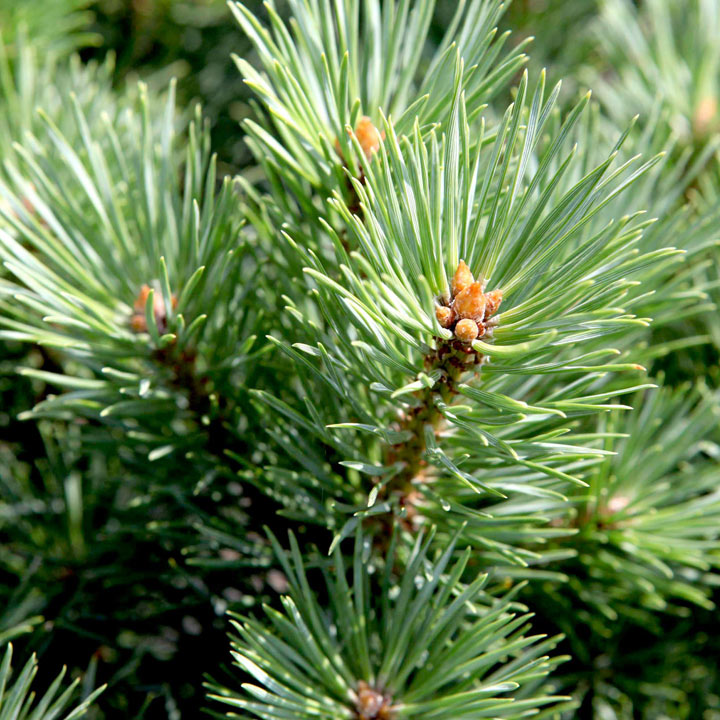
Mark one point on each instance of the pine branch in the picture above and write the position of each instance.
(648, 523)
(675, 295)
(132, 278)
(560, 270)
(17, 700)
(474, 291)
(435, 648)
(335, 67)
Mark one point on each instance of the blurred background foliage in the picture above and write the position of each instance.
(191, 40)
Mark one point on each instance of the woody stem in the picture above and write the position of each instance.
(452, 359)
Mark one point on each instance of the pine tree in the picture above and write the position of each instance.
(451, 331)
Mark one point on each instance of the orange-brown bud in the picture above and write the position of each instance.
(492, 302)
(466, 330)
(462, 279)
(138, 321)
(371, 703)
(445, 315)
(617, 504)
(141, 298)
(368, 136)
(470, 303)
(705, 115)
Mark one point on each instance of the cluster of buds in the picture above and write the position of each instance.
(372, 704)
(138, 321)
(368, 136)
(470, 310)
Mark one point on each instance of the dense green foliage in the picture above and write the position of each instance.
(398, 288)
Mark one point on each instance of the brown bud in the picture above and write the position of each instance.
(705, 115)
(462, 279)
(141, 298)
(138, 321)
(492, 302)
(617, 504)
(466, 330)
(470, 303)
(445, 315)
(368, 136)
(371, 704)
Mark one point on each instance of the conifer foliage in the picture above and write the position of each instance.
(451, 330)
